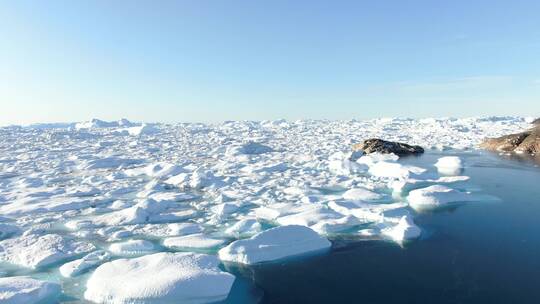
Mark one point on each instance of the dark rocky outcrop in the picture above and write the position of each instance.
(536, 122)
(525, 142)
(376, 145)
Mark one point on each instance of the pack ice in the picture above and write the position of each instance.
(107, 199)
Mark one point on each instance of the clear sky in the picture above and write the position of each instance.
(215, 60)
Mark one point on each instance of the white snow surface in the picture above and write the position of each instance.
(24, 290)
(160, 278)
(67, 189)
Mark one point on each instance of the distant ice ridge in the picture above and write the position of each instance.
(76, 200)
(96, 123)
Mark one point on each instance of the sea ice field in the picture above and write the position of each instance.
(242, 211)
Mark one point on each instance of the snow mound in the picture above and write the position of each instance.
(274, 244)
(24, 290)
(160, 278)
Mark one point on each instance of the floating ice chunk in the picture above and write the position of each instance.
(78, 224)
(146, 211)
(394, 170)
(244, 227)
(178, 180)
(201, 179)
(131, 215)
(274, 244)
(345, 167)
(132, 247)
(308, 216)
(168, 230)
(436, 196)
(192, 241)
(361, 194)
(90, 260)
(35, 251)
(405, 230)
(176, 229)
(329, 226)
(171, 196)
(360, 212)
(24, 290)
(402, 185)
(449, 165)
(224, 209)
(160, 278)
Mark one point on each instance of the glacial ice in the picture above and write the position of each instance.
(274, 244)
(131, 189)
(160, 278)
(436, 196)
(405, 230)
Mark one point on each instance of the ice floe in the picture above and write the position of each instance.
(405, 230)
(90, 260)
(24, 290)
(192, 241)
(274, 244)
(160, 278)
(436, 196)
(36, 251)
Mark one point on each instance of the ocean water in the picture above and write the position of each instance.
(485, 252)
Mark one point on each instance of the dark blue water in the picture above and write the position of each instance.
(474, 253)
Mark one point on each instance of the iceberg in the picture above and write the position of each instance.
(187, 278)
(274, 244)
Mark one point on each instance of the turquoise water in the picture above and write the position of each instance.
(474, 253)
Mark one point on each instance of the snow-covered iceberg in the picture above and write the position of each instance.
(274, 244)
(160, 278)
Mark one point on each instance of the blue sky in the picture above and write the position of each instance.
(216, 60)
